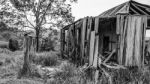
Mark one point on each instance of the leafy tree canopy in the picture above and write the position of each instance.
(45, 13)
(10, 16)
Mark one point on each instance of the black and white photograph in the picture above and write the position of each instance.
(74, 41)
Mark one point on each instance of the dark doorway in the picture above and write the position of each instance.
(105, 44)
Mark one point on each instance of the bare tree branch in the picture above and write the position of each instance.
(28, 20)
(29, 27)
(45, 12)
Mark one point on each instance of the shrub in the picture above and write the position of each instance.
(13, 45)
(45, 58)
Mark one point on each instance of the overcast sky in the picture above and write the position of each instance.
(95, 7)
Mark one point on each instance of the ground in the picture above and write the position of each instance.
(49, 68)
(10, 64)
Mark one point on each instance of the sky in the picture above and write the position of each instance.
(85, 8)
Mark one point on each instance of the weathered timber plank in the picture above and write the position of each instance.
(95, 61)
(87, 47)
(96, 25)
(92, 42)
(96, 46)
(83, 31)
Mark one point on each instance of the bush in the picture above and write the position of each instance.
(45, 58)
(13, 45)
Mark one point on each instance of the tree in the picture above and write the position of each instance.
(45, 14)
(10, 16)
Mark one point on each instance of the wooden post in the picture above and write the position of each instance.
(95, 61)
(26, 70)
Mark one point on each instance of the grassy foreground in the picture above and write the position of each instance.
(49, 68)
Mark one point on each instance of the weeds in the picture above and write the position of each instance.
(45, 59)
(67, 75)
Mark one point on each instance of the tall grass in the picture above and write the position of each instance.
(11, 63)
(45, 59)
(68, 74)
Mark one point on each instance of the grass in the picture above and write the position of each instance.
(11, 62)
(18, 81)
(45, 59)
(65, 72)
(68, 74)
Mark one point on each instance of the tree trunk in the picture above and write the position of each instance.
(37, 30)
(37, 39)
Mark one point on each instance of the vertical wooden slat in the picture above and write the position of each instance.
(96, 50)
(75, 37)
(87, 46)
(92, 42)
(96, 42)
(88, 36)
(67, 42)
(96, 24)
(83, 31)
(122, 23)
(118, 24)
(95, 61)
(61, 42)
(144, 35)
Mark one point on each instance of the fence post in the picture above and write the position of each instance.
(26, 70)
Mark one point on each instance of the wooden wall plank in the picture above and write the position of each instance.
(87, 47)
(92, 42)
(95, 61)
(83, 32)
(96, 25)
(132, 34)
